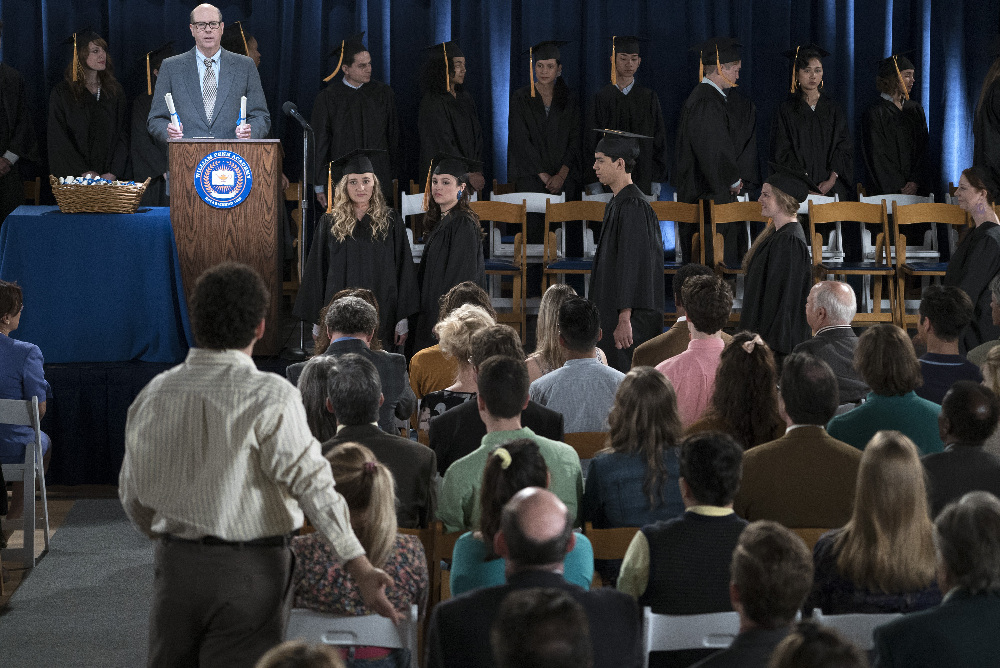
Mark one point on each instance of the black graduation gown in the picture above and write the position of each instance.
(816, 141)
(776, 287)
(975, 262)
(16, 135)
(453, 253)
(347, 118)
(628, 272)
(986, 128)
(148, 158)
(638, 112)
(706, 162)
(384, 266)
(743, 129)
(87, 134)
(894, 146)
(539, 142)
(448, 124)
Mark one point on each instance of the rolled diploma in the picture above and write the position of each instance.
(169, 99)
(243, 110)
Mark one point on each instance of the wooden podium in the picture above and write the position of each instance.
(248, 232)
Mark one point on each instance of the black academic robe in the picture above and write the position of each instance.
(816, 141)
(628, 273)
(384, 266)
(148, 158)
(637, 112)
(16, 135)
(453, 253)
(87, 134)
(448, 124)
(540, 141)
(986, 128)
(743, 129)
(347, 118)
(974, 264)
(706, 161)
(894, 146)
(777, 285)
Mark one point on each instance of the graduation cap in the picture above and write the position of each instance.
(448, 50)
(619, 143)
(235, 38)
(810, 50)
(357, 161)
(794, 183)
(896, 64)
(548, 50)
(349, 47)
(80, 39)
(716, 51)
(154, 59)
(454, 165)
(623, 44)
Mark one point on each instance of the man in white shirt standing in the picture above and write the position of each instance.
(219, 466)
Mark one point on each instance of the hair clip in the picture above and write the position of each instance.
(748, 346)
(505, 458)
(370, 467)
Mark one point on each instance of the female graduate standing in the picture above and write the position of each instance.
(88, 115)
(543, 151)
(361, 243)
(777, 266)
(453, 250)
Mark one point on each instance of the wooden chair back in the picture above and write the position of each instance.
(502, 188)
(910, 214)
(33, 191)
(732, 212)
(809, 535)
(586, 443)
(609, 543)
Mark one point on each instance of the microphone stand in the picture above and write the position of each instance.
(300, 352)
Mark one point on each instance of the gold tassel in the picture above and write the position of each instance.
(76, 58)
(339, 62)
(329, 188)
(701, 66)
(614, 72)
(902, 84)
(794, 68)
(246, 49)
(427, 188)
(447, 83)
(149, 78)
(531, 69)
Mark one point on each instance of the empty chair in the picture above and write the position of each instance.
(859, 629)
(362, 630)
(734, 213)
(24, 412)
(498, 267)
(555, 262)
(668, 633)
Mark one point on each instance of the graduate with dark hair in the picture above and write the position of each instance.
(627, 281)
(894, 133)
(624, 105)
(355, 112)
(149, 159)
(17, 137)
(448, 121)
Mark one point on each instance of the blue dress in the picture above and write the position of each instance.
(21, 377)
(613, 496)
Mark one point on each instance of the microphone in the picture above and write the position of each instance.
(292, 110)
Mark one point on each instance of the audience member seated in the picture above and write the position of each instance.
(312, 386)
(887, 363)
(509, 469)
(549, 355)
(541, 628)
(536, 533)
(459, 430)
(321, 337)
(810, 645)
(830, 308)
(503, 394)
(455, 339)
(583, 389)
(805, 479)
(962, 631)
(944, 313)
(300, 654)
(969, 416)
(675, 340)
(978, 354)
(991, 379)
(883, 558)
(745, 398)
(681, 566)
(351, 323)
(430, 369)
(354, 396)
(771, 574)
(708, 301)
(21, 377)
(323, 585)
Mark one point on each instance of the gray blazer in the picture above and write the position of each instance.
(238, 77)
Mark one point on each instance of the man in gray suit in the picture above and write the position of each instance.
(206, 84)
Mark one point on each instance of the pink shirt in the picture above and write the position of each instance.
(693, 376)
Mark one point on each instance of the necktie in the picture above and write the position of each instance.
(208, 89)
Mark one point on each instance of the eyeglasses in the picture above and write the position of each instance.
(203, 26)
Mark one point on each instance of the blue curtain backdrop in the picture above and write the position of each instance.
(952, 43)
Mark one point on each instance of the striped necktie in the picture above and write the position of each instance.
(208, 89)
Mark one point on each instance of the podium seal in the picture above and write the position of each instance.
(223, 179)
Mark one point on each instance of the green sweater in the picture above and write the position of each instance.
(908, 413)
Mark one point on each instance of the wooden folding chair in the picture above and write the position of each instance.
(555, 262)
(33, 191)
(444, 545)
(733, 212)
(502, 188)
(586, 443)
(809, 535)
(293, 193)
(608, 544)
(515, 267)
(679, 212)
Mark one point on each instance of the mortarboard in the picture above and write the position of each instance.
(154, 59)
(235, 38)
(623, 44)
(548, 50)
(793, 183)
(447, 50)
(357, 161)
(348, 48)
(619, 142)
(716, 51)
(446, 163)
(812, 50)
(80, 39)
(896, 64)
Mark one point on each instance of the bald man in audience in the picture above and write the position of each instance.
(968, 417)
(535, 536)
(830, 308)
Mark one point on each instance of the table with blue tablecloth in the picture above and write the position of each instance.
(97, 287)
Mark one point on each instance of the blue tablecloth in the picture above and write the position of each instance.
(97, 287)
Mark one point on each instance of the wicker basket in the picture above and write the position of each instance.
(97, 199)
